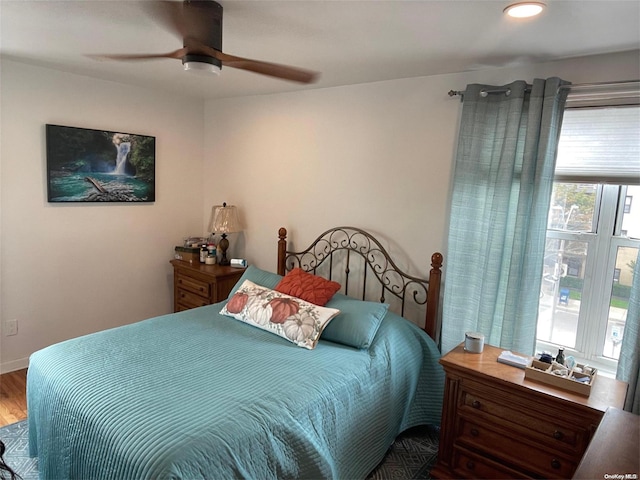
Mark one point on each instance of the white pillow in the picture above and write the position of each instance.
(291, 318)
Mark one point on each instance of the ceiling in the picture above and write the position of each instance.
(348, 41)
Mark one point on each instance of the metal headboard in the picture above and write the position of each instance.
(350, 242)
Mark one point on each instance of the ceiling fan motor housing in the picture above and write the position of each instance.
(190, 59)
(211, 35)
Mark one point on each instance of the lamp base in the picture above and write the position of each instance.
(223, 244)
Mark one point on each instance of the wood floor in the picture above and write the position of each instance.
(13, 397)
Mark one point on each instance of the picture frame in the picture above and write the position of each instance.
(87, 165)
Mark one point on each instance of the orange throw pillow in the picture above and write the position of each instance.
(309, 287)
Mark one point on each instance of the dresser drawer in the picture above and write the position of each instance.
(190, 300)
(516, 450)
(469, 465)
(194, 285)
(551, 432)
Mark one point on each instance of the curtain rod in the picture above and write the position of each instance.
(577, 86)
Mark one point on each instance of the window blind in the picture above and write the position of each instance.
(600, 145)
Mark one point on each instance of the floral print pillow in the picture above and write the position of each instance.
(292, 318)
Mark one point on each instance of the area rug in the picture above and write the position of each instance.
(411, 456)
(16, 440)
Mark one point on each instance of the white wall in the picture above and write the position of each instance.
(71, 269)
(356, 155)
(377, 156)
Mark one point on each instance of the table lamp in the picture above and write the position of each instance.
(224, 220)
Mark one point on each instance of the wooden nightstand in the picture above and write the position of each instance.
(197, 284)
(497, 424)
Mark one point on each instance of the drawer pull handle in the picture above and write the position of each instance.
(558, 435)
(474, 432)
(555, 463)
(475, 404)
(470, 465)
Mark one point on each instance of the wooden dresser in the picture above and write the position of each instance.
(197, 284)
(497, 424)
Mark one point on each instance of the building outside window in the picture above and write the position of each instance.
(593, 235)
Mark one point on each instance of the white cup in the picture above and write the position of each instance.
(473, 342)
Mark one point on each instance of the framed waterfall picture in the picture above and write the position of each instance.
(85, 165)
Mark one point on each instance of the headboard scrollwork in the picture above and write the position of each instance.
(339, 247)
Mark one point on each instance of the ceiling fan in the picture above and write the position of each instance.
(199, 23)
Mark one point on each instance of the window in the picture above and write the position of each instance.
(593, 235)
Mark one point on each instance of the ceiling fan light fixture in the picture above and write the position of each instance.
(202, 63)
(201, 67)
(524, 9)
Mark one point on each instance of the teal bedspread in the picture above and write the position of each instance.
(199, 395)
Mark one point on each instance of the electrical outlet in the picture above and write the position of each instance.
(11, 327)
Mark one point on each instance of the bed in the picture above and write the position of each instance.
(198, 394)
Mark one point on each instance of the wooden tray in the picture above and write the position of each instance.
(541, 372)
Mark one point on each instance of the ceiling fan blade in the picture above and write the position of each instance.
(285, 72)
(178, 54)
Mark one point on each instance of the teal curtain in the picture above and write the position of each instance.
(628, 363)
(502, 187)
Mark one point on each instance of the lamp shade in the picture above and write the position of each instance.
(224, 219)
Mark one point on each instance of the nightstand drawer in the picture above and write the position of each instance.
(191, 300)
(194, 285)
(516, 450)
(549, 431)
(198, 284)
(468, 465)
(180, 307)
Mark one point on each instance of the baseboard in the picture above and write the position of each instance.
(14, 365)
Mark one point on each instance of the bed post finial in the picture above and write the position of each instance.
(433, 297)
(436, 260)
(282, 250)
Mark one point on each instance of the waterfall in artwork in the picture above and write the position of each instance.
(121, 159)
